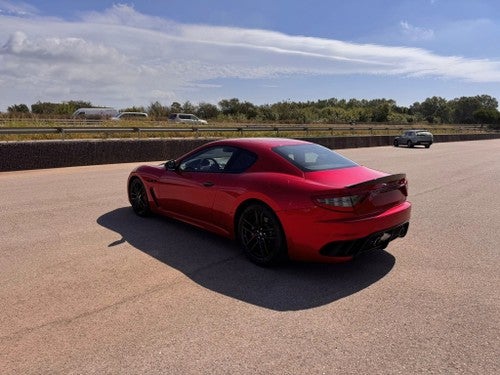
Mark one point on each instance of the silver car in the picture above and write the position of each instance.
(185, 118)
(413, 138)
(130, 116)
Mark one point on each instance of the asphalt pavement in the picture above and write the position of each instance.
(87, 287)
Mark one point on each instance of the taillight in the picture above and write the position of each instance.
(342, 203)
(403, 186)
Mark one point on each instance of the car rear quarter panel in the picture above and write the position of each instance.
(281, 192)
(278, 191)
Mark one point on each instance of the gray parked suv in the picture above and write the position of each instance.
(412, 138)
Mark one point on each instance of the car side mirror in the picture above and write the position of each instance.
(170, 165)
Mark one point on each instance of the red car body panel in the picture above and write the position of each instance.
(212, 200)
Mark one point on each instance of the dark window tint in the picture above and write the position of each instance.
(240, 161)
(219, 159)
(213, 159)
(313, 157)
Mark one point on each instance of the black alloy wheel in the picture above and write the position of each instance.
(261, 236)
(139, 198)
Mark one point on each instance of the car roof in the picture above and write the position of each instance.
(259, 143)
(268, 160)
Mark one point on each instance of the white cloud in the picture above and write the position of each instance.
(416, 33)
(17, 8)
(59, 49)
(121, 57)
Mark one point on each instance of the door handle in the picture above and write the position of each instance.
(208, 183)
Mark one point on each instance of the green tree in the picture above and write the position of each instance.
(434, 110)
(248, 110)
(187, 107)
(464, 108)
(207, 111)
(380, 113)
(175, 107)
(487, 102)
(267, 114)
(229, 107)
(333, 115)
(133, 109)
(487, 116)
(58, 109)
(359, 114)
(44, 108)
(18, 108)
(157, 111)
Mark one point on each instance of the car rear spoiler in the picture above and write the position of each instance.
(381, 180)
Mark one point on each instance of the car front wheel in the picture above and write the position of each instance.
(138, 198)
(261, 236)
(409, 144)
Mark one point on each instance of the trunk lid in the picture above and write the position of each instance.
(359, 189)
(381, 193)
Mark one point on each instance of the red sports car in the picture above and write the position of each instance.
(280, 198)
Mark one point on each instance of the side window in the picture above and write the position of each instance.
(240, 161)
(313, 157)
(211, 160)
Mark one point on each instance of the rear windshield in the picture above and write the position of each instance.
(313, 157)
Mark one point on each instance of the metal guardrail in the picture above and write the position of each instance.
(138, 131)
(197, 131)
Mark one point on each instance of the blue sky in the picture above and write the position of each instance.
(134, 53)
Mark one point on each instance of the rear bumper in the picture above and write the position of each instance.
(423, 143)
(315, 236)
(375, 241)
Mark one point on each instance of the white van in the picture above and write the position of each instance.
(95, 113)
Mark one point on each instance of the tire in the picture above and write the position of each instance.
(427, 146)
(261, 236)
(138, 198)
(396, 143)
(410, 144)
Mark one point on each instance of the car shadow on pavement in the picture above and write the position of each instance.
(219, 265)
